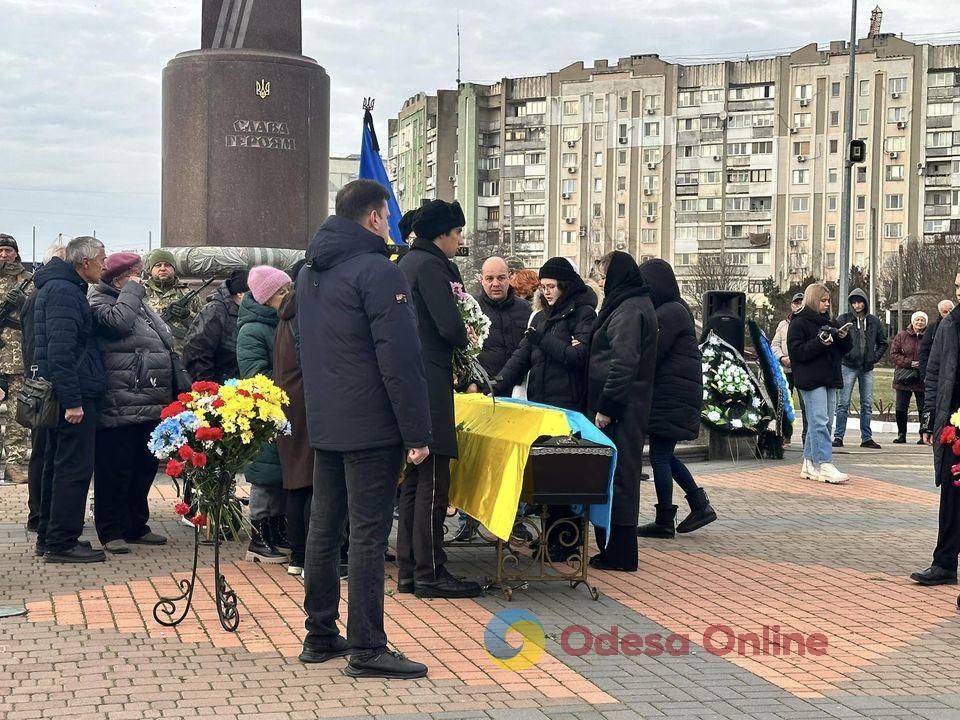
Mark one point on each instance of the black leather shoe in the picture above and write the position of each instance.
(448, 587)
(77, 554)
(405, 586)
(387, 664)
(870, 445)
(901, 440)
(838, 442)
(338, 648)
(935, 575)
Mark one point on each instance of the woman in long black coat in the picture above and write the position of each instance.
(623, 355)
(677, 400)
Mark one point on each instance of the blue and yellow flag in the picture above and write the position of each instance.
(371, 168)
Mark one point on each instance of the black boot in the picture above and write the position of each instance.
(662, 527)
(620, 554)
(260, 549)
(901, 427)
(701, 513)
(278, 533)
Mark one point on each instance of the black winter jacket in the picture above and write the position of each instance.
(941, 392)
(135, 344)
(508, 321)
(925, 345)
(869, 339)
(430, 273)
(210, 346)
(557, 367)
(815, 365)
(65, 348)
(359, 349)
(678, 384)
(27, 313)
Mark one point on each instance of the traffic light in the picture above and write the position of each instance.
(858, 151)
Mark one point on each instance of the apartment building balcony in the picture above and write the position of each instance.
(532, 120)
(511, 171)
(943, 93)
(693, 218)
(938, 181)
(488, 127)
(525, 221)
(683, 190)
(740, 105)
(749, 216)
(738, 160)
(688, 137)
(939, 121)
(738, 189)
(517, 145)
(939, 152)
(936, 211)
(711, 136)
(762, 132)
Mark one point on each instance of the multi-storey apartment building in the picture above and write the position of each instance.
(743, 158)
(342, 170)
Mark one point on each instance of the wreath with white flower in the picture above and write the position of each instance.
(733, 402)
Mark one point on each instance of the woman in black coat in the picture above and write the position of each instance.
(678, 396)
(623, 354)
(817, 345)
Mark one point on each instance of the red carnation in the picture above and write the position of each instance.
(955, 469)
(209, 433)
(956, 447)
(185, 397)
(174, 408)
(243, 393)
(174, 469)
(199, 520)
(208, 388)
(199, 460)
(181, 508)
(956, 483)
(257, 396)
(185, 452)
(218, 403)
(948, 435)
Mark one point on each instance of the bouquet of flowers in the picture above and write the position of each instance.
(733, 403)
(950, 436)
(465, 364)
(210, 434)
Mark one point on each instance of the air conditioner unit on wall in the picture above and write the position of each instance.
(718, 158)
(565, 196)
(651, 111)
(571, 221)
(571, 170)
(623, 140)
(647, 191)
(571, 143)
(804, 102)
(801, 158)
(794, 131)
(902, 125)
(894, 155)
(651, 218)
(651, 166)
(895, 95)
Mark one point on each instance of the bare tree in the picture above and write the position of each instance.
(930, 267)
(714, 271)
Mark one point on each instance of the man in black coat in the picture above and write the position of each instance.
(366, 403)
(869, 345)
(509, 315)
(210, 346)
(943, 309)
(66, 354)
(423, 497)
(940, 400)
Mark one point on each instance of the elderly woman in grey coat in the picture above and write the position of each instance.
(136, 346)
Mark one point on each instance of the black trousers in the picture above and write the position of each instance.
(358, 486)
(298, 522)
(423, 509)
(67, 469)
(38, 444)
(948, 534)
(125, 471)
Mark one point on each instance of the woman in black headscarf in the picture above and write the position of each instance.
(623, 353)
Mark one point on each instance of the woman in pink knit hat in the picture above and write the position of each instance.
(257, 329)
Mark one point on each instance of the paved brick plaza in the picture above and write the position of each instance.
(786, 553)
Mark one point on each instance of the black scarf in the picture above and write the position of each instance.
(623, 281)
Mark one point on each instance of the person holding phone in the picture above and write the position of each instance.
(816, 344)
(869, 344)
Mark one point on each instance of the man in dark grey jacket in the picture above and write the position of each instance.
(869, 345)
(940, 400)
(136, 346)
(366, 404)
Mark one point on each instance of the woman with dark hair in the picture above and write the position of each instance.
(619, 392)
(675, 413)
(554, 352)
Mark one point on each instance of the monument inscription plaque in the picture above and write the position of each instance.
(245, 132)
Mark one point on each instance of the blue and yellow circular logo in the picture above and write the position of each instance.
(505, 655)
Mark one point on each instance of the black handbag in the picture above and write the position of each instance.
(903, 376)
(182, 382)
(37, 405)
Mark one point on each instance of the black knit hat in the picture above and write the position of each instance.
(237, 282)
(558, 268)
(437, 218)
(8, 241)
(406, 223)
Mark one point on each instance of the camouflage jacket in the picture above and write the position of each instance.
(161, 296)
(12, 275)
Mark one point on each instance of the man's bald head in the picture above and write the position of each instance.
(495, 278)
(944, 307)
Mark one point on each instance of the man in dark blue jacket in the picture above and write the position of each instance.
(366, 402)
(66, 354)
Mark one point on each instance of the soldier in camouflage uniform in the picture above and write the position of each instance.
(16, 438)
(165, 290)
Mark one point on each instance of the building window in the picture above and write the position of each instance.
(832, 203)
(763, 148)
(861, 231)
(513, 159)
(569, 159)
(651, 102)
(831, 260)
(941, 139)
(568, 187)
(755, 287)
(861, 174)
(800, 203)
(686, 151)
(621, 210)
(598, 132)
(894, 172)
(861, 202)
(832, 175)
(801, 120)
(571, 133)
(863, 116)
(648, 236)
(651, 129)
(597, 159)
(941, 79)
(596, 210)
(802, 92)
(897, 85)
(834, 118)
(858, 259)
(685, 124)
(712, 96)
(899, 144)
(598, 106)
(650, 155)
(490, 188)
(536, 158)
(864, 88)
(939, 109)
(801, 148)
(621, 157)
(623, 103)
(831, 232)
(686, 98)
(801, 177)
(835, 89)
(650, 209)
(621, 183)
(598, 184)
(570, 211)
(896, 114)
(834, 147)
(568, 237)
(799, 232)
(893, 202)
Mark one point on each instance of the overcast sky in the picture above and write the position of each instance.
(80, 80)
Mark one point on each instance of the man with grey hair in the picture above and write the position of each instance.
(944, 307)
(66, 354)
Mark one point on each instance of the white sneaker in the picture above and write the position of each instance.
(294, 570)
(809, 471)
(829, 474)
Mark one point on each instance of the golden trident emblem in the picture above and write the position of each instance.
(263, 89)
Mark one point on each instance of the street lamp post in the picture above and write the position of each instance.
(848, 164)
